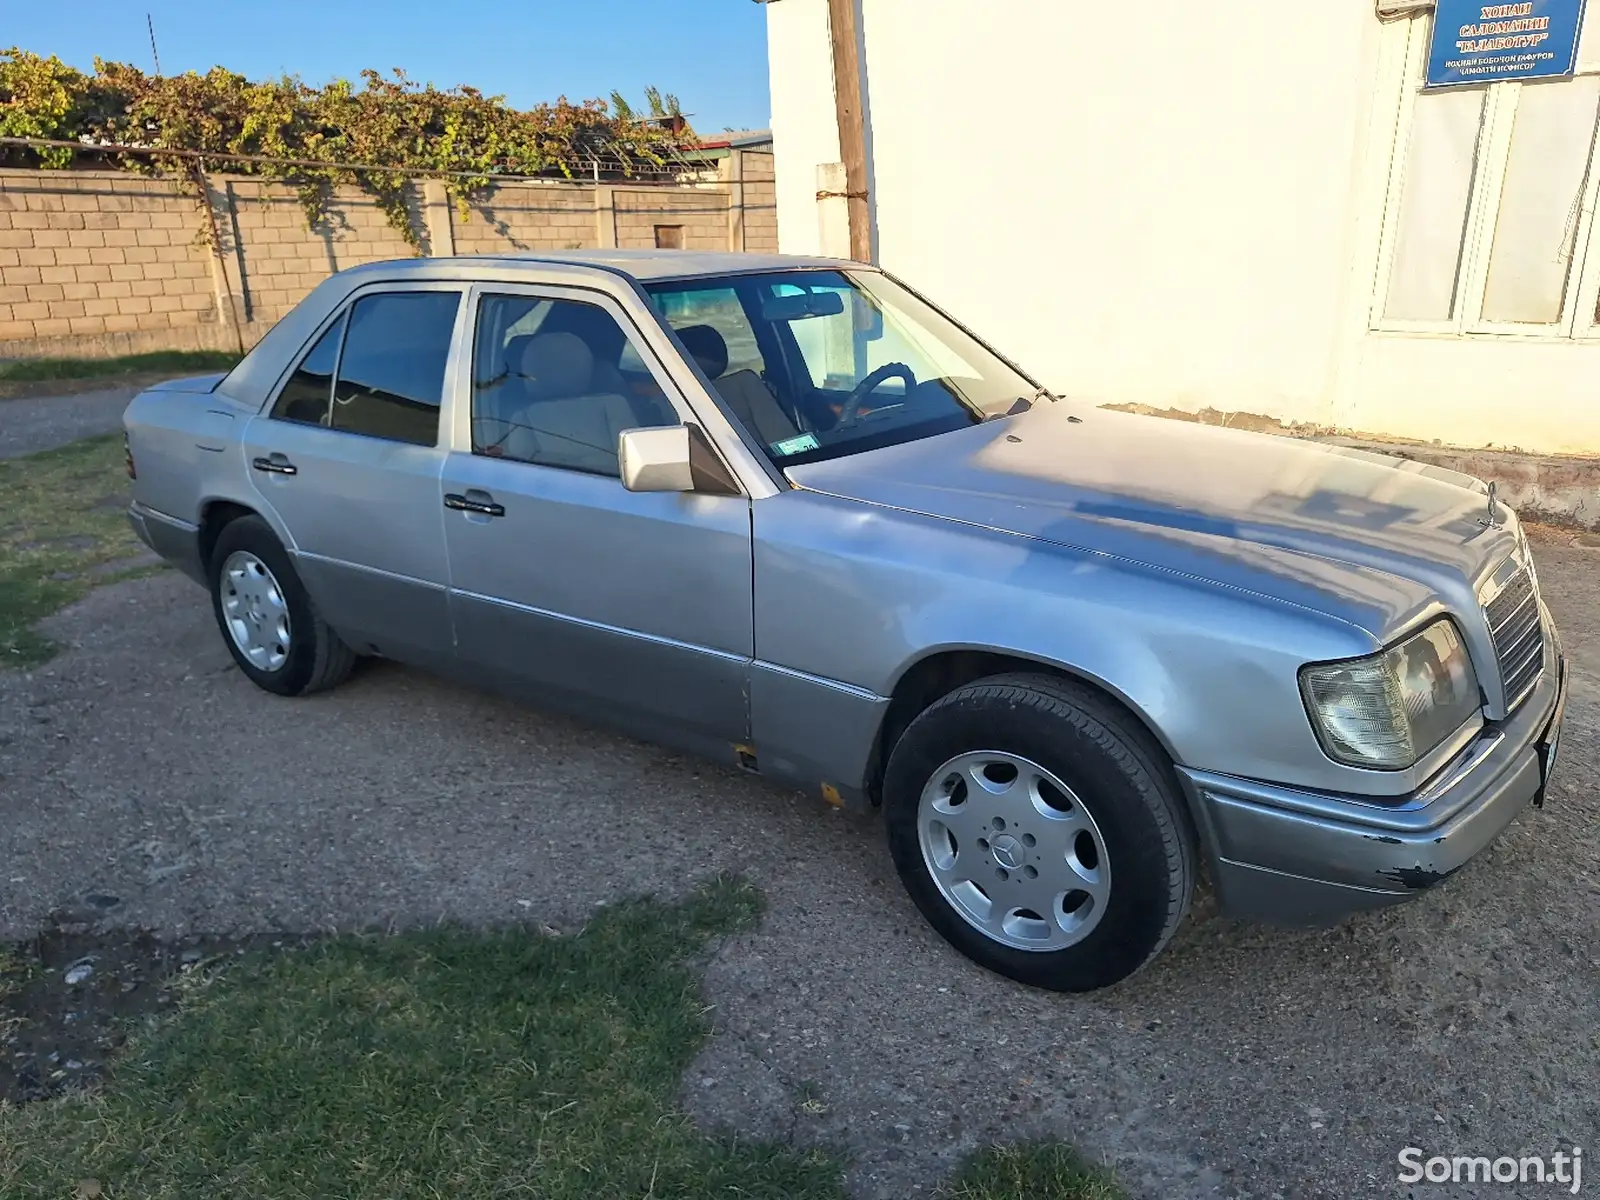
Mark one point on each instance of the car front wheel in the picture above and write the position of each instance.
(1038, 830)
(268, 620)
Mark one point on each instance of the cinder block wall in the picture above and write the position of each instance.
(700, 218)
(760, 204)
(527, 217)
(101, 259)
(107, 262)
(277, 259)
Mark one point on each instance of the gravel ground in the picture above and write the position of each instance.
(30, 423)
(1246, 1062)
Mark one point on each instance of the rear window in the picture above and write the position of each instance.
(391, 370)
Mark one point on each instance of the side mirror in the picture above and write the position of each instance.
(656, 460)
(676, 458)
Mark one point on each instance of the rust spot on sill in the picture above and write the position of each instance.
(1418, 879)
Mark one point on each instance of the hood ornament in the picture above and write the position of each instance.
(1491, 520)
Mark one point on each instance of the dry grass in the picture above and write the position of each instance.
(63, 530)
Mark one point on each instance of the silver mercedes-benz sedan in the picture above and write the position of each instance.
(788, 514)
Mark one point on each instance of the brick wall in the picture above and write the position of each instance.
(105, 262)
(701, 216)
(86, 256)
(760, 203)
(527, 217)
(278, 259)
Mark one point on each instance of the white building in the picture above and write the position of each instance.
(1246, 205)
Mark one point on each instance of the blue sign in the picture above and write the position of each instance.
(1474, 42)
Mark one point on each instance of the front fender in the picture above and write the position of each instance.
(859, 595)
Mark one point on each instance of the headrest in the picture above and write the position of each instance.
(708, 348)
(555, 364)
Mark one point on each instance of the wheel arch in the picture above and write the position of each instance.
(215, 516)
(218, 512)
(937, 673)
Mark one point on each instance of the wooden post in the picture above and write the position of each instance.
(227, 276)
(852, 134)
(734, 173)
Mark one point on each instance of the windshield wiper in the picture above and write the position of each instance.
(1024, 404)
(1020, 405)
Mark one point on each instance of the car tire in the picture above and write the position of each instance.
(268, 620)
(1076, 805)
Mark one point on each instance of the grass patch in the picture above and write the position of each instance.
(172, 362)
(14, 973)
(435, 1063)
(1033, 1171)
(63, 529)
(446, 1062)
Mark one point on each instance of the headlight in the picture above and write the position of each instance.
(1390, 709)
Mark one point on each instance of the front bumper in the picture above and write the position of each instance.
(1296, 857)
(176, 541)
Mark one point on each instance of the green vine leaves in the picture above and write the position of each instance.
(377, 136)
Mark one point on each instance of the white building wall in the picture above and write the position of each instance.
(1175, 205)
(1134, 204)
(805, 128)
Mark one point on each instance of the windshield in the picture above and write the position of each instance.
(817, 364)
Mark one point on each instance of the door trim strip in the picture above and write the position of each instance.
(601, 626)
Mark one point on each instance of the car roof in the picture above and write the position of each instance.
(259, 370)
(643, 265)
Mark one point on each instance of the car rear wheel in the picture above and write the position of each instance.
(268, 620)
(1039, 831)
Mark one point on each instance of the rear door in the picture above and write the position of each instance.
(348, 457)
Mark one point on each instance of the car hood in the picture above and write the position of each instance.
(1297, 519)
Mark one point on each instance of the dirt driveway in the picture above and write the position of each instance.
(30, 423)
(1247, 1062)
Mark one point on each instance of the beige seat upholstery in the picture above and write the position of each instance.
(755, 405)
(564, 423)
(747, 395)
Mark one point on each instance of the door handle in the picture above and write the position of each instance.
(275, 464)
(485, 506)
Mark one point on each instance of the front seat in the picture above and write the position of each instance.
(565, 424)
(497, 403)
(746, 392)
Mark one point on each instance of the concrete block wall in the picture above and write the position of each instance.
(280, 259)
(526, 217)
(107, 262)
(701, 214)
(107, 259)
(760, 203)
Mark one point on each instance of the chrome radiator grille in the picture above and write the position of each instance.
(1518, 633)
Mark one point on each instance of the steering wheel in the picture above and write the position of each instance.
(859, 393)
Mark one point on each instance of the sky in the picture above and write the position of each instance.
(711, 54)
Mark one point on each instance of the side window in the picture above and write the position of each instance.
(554, 382)
(306, 394)
(391, 374)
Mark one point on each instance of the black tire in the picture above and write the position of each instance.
(317, 659)
(1120, 776)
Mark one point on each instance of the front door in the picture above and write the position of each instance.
(631, 607)
(348, 457)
